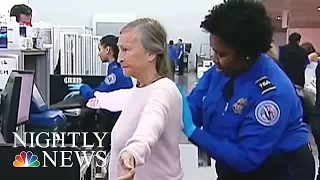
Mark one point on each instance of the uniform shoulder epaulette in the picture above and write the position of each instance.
(265, 85)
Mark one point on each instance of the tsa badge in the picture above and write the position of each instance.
(267, 113)
(239, 106)
(110, 79)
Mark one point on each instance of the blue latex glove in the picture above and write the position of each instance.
(74, 87)
(72, 94)
(188, 125)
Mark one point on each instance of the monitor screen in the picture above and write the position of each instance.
(26, 94)
(9, 108)
(37, 97)
(188, 47)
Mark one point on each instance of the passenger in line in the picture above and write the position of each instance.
(312, 75)
(313, 59)
(145, 139)
(294, 59)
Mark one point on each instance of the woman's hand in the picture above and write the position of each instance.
(127, 166)
(188, 125)
(93, 103)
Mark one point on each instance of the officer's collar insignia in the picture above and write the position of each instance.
(265, 85)
(239, 106)
(114, 66)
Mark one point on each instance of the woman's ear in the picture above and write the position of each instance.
(152, 57)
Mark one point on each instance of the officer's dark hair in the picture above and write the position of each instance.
(294, 37)
(18, 9)
(171, 42)
(180, 40)
(242, 24)
(112, 41)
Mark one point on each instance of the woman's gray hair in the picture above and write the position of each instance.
(153, 38)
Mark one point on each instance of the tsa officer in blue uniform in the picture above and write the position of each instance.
(180, 56)
(244, 112)
(173, 55)
(115, 79)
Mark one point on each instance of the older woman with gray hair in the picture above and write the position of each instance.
(145, 139)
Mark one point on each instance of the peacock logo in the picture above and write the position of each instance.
(26, 159)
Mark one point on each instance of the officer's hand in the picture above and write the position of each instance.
(74, 87)
(188, 125)
(72, 94)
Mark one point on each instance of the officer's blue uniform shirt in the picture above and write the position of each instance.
(173, 54)
(114, 80)
(180, 49)
(262, 118)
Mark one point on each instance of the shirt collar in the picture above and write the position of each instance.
(113, 64)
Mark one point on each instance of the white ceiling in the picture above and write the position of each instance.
(302, 13)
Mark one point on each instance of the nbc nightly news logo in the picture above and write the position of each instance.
(26, 159)
(83, 158)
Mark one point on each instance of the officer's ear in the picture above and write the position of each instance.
(107, 49)
(244, 56)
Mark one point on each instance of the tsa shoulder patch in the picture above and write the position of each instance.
(267, 113)
(110, 79)
(265, 85)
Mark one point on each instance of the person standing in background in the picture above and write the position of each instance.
(309, 48)
(115, 79)
(180, 57)
(312, 61)
(315, 123)
(173, 56)
(23, 14)
(293, 59)
(313, 71)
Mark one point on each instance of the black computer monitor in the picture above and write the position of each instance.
(187, 47)
(14, 103)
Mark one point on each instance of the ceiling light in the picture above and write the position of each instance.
(318, 9)
(278, 18)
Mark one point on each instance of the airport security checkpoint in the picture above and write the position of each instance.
(66, 87)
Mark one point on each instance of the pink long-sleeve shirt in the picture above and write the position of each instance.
(149, 128)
